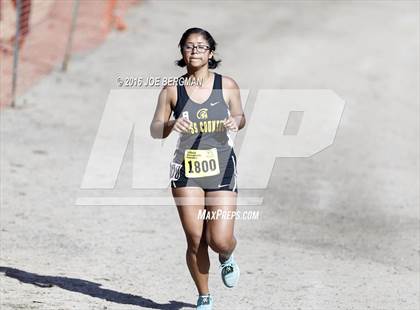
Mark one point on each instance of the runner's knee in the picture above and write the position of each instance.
(193, 241)
(220, 244)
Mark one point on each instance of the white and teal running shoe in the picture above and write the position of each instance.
(230, 272)
(204, 302)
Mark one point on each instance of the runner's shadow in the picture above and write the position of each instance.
(90, 288)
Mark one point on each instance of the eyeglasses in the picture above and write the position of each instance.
(200, 48)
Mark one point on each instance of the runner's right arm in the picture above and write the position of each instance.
(161, 126)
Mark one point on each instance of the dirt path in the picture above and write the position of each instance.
(339, 230)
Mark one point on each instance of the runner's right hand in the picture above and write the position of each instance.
(182, 125)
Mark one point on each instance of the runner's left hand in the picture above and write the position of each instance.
(230, 123)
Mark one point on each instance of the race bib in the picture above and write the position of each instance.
(201, 163)
(175, 171)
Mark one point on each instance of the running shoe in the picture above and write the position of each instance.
(204, 302)
(230, 272)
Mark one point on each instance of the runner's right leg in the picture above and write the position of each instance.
(197, 255)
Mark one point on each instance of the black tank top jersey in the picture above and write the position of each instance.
(207, 127)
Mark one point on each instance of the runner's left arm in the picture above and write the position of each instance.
(237, 115)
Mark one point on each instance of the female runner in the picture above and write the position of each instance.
(203, 172)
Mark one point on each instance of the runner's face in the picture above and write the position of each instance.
(198, 56)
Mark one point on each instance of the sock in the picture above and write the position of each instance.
(223, 259)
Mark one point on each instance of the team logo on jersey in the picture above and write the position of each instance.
(202, 113)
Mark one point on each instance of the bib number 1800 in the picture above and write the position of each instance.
(201, 163)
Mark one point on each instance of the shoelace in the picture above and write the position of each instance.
(226, 267)
(204, 300)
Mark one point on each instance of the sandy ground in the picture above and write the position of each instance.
(338, 230)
